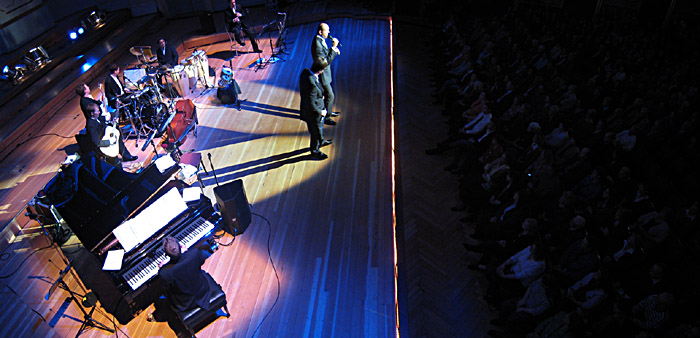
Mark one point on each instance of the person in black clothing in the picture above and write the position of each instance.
(83, 91)
(312, 109)
(321, 51)
(187, 285)
(114, 88)
(234, 26)
(167, 55)
(96, 126)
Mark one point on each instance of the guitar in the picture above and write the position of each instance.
(109, 144)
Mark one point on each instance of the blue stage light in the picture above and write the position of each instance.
(72, 35)
(86, 66)
(81, 30)
(5, 69)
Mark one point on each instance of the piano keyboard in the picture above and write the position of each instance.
(148, 268)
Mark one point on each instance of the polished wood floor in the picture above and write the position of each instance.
(330, 234)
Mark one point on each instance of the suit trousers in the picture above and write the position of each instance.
(328, 97)
(316, 130)
(236, 29)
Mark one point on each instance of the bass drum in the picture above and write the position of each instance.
(154, 115)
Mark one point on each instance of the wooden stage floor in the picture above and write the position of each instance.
(330, 233)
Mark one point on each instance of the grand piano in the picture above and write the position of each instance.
(108, 209)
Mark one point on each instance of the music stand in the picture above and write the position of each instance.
(273, 56)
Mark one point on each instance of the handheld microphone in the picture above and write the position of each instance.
(331, 37)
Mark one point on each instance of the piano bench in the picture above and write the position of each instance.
(198, 318)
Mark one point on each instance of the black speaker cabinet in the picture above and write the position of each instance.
(206, 20)
(233, 203)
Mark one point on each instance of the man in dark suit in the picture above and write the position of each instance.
(312, 109)
(320, 51)
(96, 126)
(187, 285)
(83, 91)
(114, 87)
(167, 55)
(235, 26)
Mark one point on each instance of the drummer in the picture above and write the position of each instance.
(167, 55)
(114, 89)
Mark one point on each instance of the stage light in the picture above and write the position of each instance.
(36, 58)
(96, 19)
(14, 74)
(86, 66)
(81, 30)
(73, 35)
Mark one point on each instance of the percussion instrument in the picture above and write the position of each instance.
(179, 80)
(202, 63)
(226, 76)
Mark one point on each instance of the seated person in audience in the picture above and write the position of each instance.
(577, 261)
(478, 124)
(97, 128)
(590, 291)
(187, 285)
(518, 272)
(519, 316)
(499, 250)
(505, 222)
(560, 325)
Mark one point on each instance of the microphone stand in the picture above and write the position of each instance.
(88, 300)
(212, 169)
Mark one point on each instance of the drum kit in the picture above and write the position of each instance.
(153, 90)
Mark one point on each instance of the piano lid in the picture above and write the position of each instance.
(99, 202)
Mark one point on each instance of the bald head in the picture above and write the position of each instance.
(324, 30)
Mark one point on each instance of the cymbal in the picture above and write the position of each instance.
(135, 52)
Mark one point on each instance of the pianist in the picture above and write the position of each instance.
(187, 285)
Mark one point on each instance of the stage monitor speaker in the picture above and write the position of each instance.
(233, 203)
(206, 20)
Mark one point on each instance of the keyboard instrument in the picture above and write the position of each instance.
(189, 235)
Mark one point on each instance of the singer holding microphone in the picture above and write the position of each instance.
(320, 51)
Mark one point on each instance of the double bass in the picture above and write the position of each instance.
(184, 121)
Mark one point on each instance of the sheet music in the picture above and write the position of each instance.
(191, 194)
(141, 227)
(164, 163)
(113, 262)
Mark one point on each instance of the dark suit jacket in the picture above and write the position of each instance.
(318, 51)
(111, 90)
(311, 96)
(187, 285)
(228, 18)
(85, 102)
(96, 129)
(170, 56)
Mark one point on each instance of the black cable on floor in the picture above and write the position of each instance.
(269, 234)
